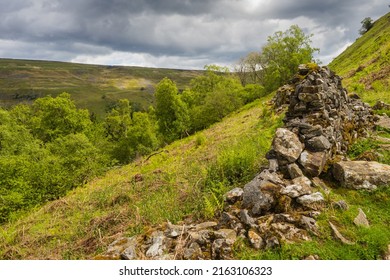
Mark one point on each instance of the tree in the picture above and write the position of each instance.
(367, 24)
(171, 112)
(279, 59)
(56, 117)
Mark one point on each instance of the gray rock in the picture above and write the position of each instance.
(339, 236)
(313, 201)
(362, 174)
(294, 171)
(287, 145)
(192, 252)
(296, 190)
(245, 218)
(312, 162)
(234, 195)
(205, 225)
(361, 219)
(254, 199)
(221, 249)
(157, 247)
(318, 143)
(273, 165)
(226, 233)
(122, 248)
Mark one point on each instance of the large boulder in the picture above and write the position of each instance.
(362, 174)
(313, 162)
(287, 145)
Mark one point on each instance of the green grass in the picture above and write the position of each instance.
(179, 183)
(93, 87)
(365, 65)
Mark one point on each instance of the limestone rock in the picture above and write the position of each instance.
(122, 248)
(157, 247)
(294, 170)
(205, 225)
(255, 239)
(234, 195)
(287, 144)
(254, 199)
(296, 190)
(362, 174)
(312, 162)
(313, 201)
(318, 143)
(339, 236)
(361, 219)
(192, 252)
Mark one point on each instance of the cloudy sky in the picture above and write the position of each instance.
(172, 33)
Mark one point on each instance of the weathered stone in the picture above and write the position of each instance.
(234, 195)
(294, 171)
(309, 224)
(312, 131)
(302, 180)
(266, 175)
(313, 201)
(226, 233)
(272, 242)
(318, 143)
(339, 236)
(221, 249)
(157, 247)
(201, 237)
(122, 248)
(342, 205)
(273, 165)
(192, 252)
(296, 190)
(361, 219)
(287, 144)
(289, 232)
(254, 199)
(312, 162)
(255, 239)
(362, 174)
(318, 183)
(205, 225)
(312, 258)
(245, 218)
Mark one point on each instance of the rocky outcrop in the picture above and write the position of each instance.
(280, 205)
(362, 174)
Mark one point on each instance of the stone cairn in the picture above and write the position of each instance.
(280, 204)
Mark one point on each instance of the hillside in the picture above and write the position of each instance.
(365, 65)
(94, 87)
(185, 181)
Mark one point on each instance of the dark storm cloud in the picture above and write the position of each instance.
(211, 31)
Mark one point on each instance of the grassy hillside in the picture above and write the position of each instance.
(365, 65)
(93, 87)
(185, 180)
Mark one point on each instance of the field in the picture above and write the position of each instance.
(93, 87)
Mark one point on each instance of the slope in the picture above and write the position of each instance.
(365, 65)
(94, 87)
(185, 180)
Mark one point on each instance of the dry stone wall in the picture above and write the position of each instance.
(281, 204)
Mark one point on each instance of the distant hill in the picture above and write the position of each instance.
(94, 87)
(365, 65)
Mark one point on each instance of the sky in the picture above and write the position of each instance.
(182, 34)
